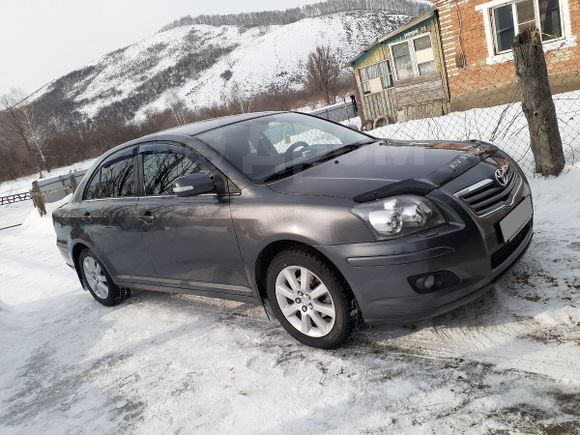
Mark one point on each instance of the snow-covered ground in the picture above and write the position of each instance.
(15, 213)
(166, 364)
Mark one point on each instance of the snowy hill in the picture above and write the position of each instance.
(206, 64)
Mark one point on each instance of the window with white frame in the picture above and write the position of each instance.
(514, 17)
(370, 75)
(413, 57)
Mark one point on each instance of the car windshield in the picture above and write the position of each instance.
(278, 145)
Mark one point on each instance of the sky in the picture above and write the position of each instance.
(41, 40)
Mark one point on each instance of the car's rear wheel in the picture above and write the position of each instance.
(310, 299)
(98, 281)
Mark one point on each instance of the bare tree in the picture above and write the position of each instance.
(323, 72)
(21, 120)
(177, 108)
(240, 99)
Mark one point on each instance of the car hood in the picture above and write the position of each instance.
(381, 164)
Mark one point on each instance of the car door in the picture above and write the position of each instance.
(108, 216)
(191, 241)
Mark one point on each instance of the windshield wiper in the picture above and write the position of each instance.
(343, 150)
(289, 170)
(299, 167)
(365, 142)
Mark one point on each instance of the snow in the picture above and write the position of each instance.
(262, 62)
(163, 363)
(15, 213)
(353, 123)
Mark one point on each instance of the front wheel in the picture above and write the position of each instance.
(310, 299)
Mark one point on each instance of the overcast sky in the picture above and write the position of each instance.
(41, 40)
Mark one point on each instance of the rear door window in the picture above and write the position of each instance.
(115, 178)
(164, 164)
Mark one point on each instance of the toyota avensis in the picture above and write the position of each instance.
(323, 225)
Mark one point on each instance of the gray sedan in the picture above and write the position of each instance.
(324, 226)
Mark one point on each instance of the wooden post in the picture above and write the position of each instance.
(38, 199)
(537, 103)
(73, 182)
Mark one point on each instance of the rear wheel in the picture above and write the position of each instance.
(310, 299)
(98, 281)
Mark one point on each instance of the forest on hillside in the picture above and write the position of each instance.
(269, 18)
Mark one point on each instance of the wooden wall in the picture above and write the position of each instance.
(409, 99)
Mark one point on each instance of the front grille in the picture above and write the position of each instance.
(487, 196)
(503, 253)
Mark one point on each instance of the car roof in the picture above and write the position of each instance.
(203, 126)
(210, 124)
(189, 130)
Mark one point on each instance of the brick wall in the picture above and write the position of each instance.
(479, 82)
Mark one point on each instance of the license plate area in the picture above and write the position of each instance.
(512, 224)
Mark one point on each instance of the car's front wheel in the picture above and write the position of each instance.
(98, 281)
(310, 299)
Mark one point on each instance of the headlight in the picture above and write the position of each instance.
(399, 216)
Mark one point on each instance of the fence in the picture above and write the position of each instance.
(55, 188)
(46, 191)
(338, 112)
(16, 197)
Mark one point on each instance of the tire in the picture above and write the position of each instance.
(325, 289)
(97, 280)
(367, 125)
(381, 121)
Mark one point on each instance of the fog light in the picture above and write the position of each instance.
(429, 282)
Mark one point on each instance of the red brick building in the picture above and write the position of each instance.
(476, 37)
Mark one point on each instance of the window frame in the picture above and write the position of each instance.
(487, 9)
(516, 23)
(97, 171)
(165, 145)
(379, 64)
(411, 44)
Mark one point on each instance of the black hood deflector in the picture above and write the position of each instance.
(435, 179)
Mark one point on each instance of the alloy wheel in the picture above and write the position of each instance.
(96, 278)
(305, 301)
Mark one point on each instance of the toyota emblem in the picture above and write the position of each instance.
(501, 175)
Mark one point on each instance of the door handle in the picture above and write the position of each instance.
(147, 217)
(87, 217)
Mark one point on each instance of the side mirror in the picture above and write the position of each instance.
(193, 184)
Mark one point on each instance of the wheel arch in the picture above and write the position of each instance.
(268, 253)
(76, 252)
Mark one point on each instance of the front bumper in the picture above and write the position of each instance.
(469, 248)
